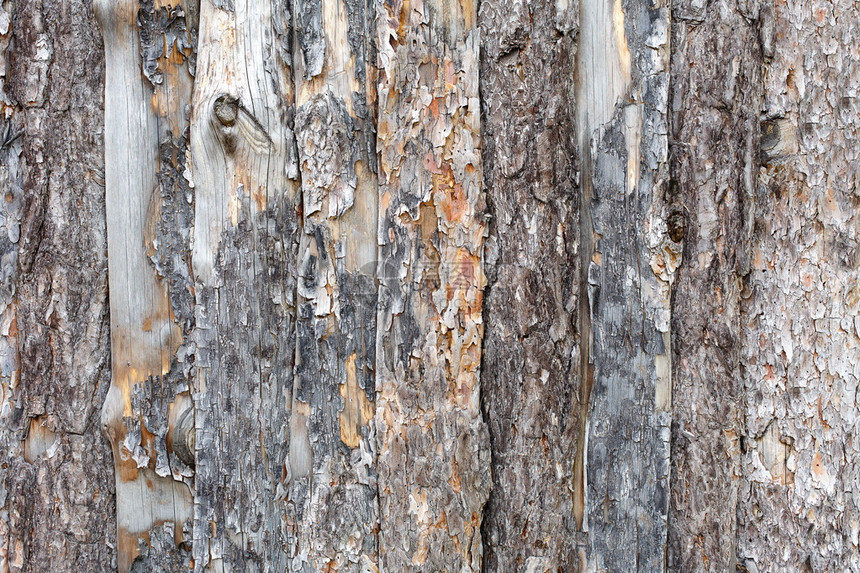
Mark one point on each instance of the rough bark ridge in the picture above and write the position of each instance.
(715, 106)
(801, 301)
(56, 487)
(433, 458)
(530, 374)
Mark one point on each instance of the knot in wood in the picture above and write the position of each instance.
(676, 224)
(184, 438)
(226, 109)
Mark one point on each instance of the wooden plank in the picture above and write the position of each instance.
(244, 255)
(628, 263)
(433, 444)
(56, 473)
(333, 487)
(716, 61)
(147, 86)
(801, 301)
(531, 374)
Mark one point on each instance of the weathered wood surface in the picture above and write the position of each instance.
(302, 214)
(628, 261)
(334, 393)
(244, 168)
(56, 485)
(147, 85)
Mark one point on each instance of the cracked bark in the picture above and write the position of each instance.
(433, 459)
(531, 372)
(333, 444)
(714, 123)
(57, 502)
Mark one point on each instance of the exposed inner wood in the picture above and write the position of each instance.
(244, 169)
(141, 111)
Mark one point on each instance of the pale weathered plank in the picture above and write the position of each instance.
(147, 87)
(244, 257)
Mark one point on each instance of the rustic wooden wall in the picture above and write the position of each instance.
(419, 285)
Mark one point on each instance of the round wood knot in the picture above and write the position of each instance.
(183, 437)
(226, 109)
(677, 226)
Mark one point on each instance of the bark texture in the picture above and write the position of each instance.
(531, 368)
(419, 285)
(56, 486)
(334, 393)
(801, 303)
(715, 102)
(433, 455)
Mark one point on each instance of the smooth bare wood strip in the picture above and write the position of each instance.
(147, 86)
(433, 444)
(333, 444)
(244, 257)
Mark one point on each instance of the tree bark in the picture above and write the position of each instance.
(56, 485)
(801, 304)
(413, 285)
(531, 376)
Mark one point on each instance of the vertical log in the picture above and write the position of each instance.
(433, 443)
(56, 477)
(334, 481)
(530, 374)
(627, 265)
(801, 301)
(148, 54)
(244, 253)
(715, 104)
